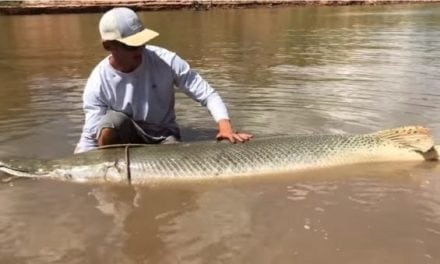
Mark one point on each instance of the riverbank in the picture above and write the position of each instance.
(84, 6)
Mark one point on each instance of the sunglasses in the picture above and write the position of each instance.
(129, 48)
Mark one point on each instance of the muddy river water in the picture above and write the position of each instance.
(295, 70)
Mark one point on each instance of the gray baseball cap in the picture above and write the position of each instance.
(123, 24)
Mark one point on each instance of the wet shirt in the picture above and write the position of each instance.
(145, 94)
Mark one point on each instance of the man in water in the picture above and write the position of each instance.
(129, 96)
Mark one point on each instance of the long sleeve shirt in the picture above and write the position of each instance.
(145, 94)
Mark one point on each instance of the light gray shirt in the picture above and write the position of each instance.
(145, 94)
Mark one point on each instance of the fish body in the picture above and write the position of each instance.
(215, 160)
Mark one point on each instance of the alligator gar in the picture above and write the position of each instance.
(214, 160)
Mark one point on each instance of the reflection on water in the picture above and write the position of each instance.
(281, 71)
(389, 212)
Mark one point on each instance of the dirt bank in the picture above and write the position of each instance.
(82, 6)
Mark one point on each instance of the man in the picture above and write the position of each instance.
(129, 96)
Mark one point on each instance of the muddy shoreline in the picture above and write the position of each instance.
(93, 6)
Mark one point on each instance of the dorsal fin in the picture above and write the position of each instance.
(417, 138)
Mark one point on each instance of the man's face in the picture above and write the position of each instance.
(125, 58)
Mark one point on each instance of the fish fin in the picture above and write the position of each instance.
(417, 138)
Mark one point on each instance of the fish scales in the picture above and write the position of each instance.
(276, 155)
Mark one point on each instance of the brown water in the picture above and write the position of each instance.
(281, 71)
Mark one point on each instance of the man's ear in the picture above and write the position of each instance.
(107, 45)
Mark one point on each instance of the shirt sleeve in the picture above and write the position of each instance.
(94, 109)
(192, 84)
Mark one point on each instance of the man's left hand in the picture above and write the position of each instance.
(226, 132)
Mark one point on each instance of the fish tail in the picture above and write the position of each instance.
(417, 138)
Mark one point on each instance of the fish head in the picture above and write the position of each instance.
(97, 172)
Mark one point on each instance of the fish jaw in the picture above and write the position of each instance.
(25, 168)
(98, 172)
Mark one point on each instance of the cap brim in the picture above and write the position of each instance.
(140, 38)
